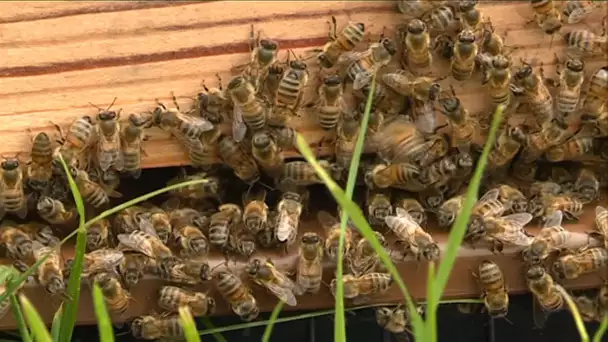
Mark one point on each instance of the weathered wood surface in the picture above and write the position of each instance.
(56, 58)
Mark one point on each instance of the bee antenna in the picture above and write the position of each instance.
(111, 104)
(95, 106)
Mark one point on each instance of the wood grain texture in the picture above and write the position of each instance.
(58, 57)
(460, 285)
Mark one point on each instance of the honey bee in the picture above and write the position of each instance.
(359, 289)
(495, 294)
(54, 212)
(400, 141)
(348, 131)
(414, 208)
(172, 298)
(402, 176)
(255, 212)
(584, 43)
(249, 110)
(183, 272)
(284, 137)
(543, 189)
(417, 8)
(116, 296)
(301, 173)
(363, 66)
(573, 148)
(465, 51)
(438, 150)
(92, 192)
(133, 266)
(241, 242)
(507, 145)
(601, 225)
(551, 238)
(145, 242)
(80, 136)
(50, 272)
(409, 232)
(330, 103)
(536, 92)
(271, 83)
(441, 18)
(417, 54)
(213, 103)
(155, 327)
(289, 94)
(40, 232)
(545, 291)
(331, 225)
(129, 219)
(569, 83)
(394, 320)
(263, 55)
(497, 77)
(571, 207)
(190, 239)
(237, 294)
(12, 194)
(109, 152)
(364, 258)
(289, 210)
(576, 11)
(447, 212)
(268, 155)
(97, 235)
(420, 88)
(266, 275)
(487, 206)
(597, 92)
(462, 124)
(572, 265)
(211, 188)
(221, 223)
(101, 260)
(588, 308)
(40, 171)
(551, 134)
(546, 15)
(469, 15)
(185, 128)
(587, 186)
(132, 138)
(341, 43)
(512, 199)
(17, 242)
(507, 230)
(378, 205)
(240, 161)
(310, 265)
(439, 173)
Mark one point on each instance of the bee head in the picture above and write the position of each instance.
(416, 26)
(311, 239)
(10, 164)
(389, 46)
(536, 272)
(137, 327)
(445, 218)
(467, 5)
(132, 277)
(202, 99)
(140, 120)
(501, 62)
(297, 65)
(261, 140)
(205, 273)
(235, 83)
(247, 248)
(107, 115)
(25, 248)
(451, 105)
(210, 305)
(467, 37)
(575, 65)
(517, 134)
(383, 315)
(332, 80)
(523, 72)
(324, 61)
(431, 252)
(268, 44)
(253, 267)
(56, 285)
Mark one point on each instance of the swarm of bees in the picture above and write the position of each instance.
(546, 164)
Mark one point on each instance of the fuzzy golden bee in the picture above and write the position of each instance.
(172, 298)
(263, 55)
(363, 66)
(507, 145)
(463, 125)
(116, 296)
(413, 207)
(267, 154)
(101, 260)
(495, 295)
(359, 289)
(157, 327)
(551, 238)
(571, 206)
(584, 43)
(213, 104)
(400, 141)
(13, 199)
(331, 225)
(347, 131)
(93, 193)
(17, 242)
(536, 92)
(512, 199)
(378, 205)
(249, 111)
(145, 242)
(465, 53)
(50, 272)
(594, 103)
(81, 135)
(288, 97)
(404, 176)
(310, 264)
(289, 210)
(572, 265)
(417, 52)
(255, 210)
(265, 274)
(546, 15)
(417, 241)
(97, 235)
(569, 85)
(40, 171)
(547, 296)
(132, 138)
(394, 320)
(364, 258)
(572, 149)
(448, 210)
(497, 78)
(109, 151)
(239, 160)
(237, 294)
(54, 211)
(133, 267)
(351, 35)
(221, 222)
(189, 238)
(506, 230)
(551, 134)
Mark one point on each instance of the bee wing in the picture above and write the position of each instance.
(349, 57)
(239, 129)
(402, 213)
(491, 195)
(555, 220)
(539, 314)
(515, 237)
(283, 227)
(599, 210)
(283, 293)
(519, 220)
(426, 122)
(128, 241)
(579, 14)
(362, 79)
(203, 124)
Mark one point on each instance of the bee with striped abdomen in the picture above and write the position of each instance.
(361, 67)
(341, 43)
(495, 295)
(310, 264)
(109, 151)
(132, 137)
(13, 199)
(249, 111)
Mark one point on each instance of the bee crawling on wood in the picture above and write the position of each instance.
(495, 294)
(344, 42)
(266, 275)
(409, 232)
(13, 199)
(360, 289)
(109, 151)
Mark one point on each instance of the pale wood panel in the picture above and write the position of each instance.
(58, 57)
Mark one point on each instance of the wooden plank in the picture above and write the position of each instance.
(460, 285)
(58, 58)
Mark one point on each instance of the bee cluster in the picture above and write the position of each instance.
(412, 167)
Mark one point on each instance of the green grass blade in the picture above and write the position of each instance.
(21, 323)
(339, 321)
(430, 329)
(460, 226)
(68, 319)
(578, 321)
(104, 324)
(140, 199)
(361, 223)
(597, 337)
(56, 325)
(207, 323)
(273, 318)
(36, 324)
(188, 325)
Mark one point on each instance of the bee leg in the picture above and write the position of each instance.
(174, 99)
(332, 32)
(252, 39)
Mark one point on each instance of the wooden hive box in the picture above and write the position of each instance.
(58, 57)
